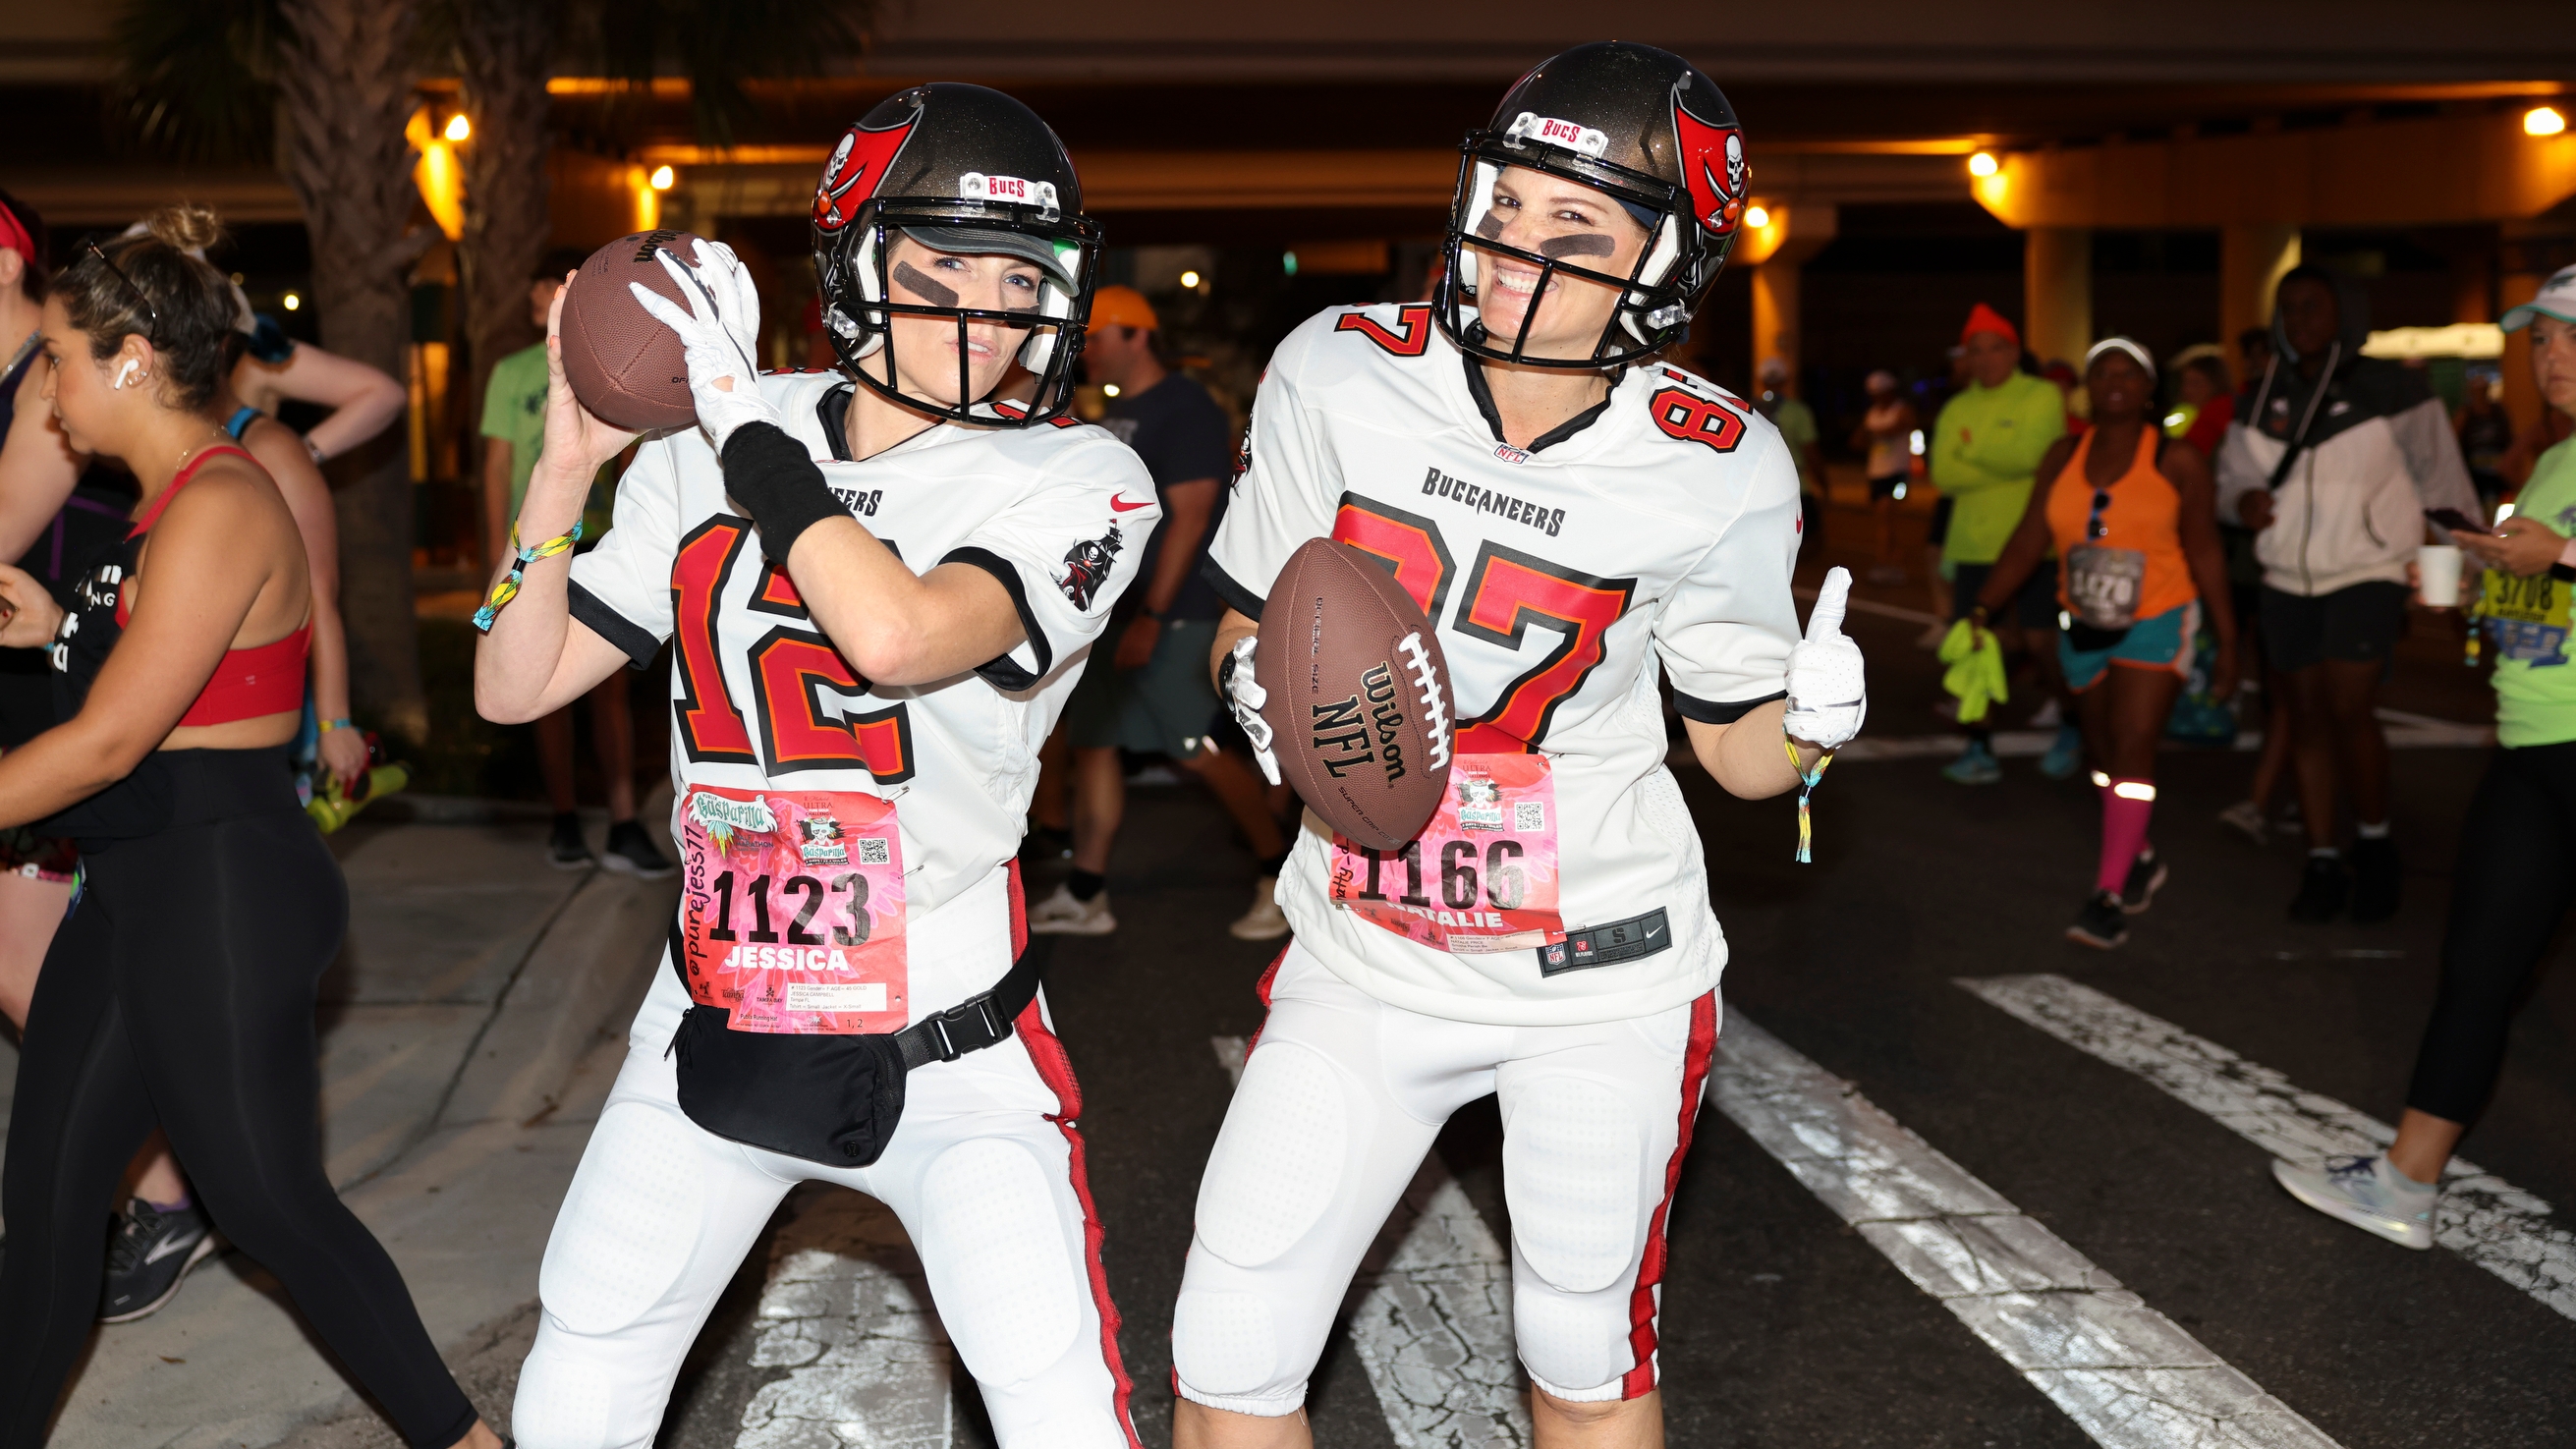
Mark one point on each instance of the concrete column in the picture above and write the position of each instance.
(1775, 316)
(2251, 258)
(2057, 292)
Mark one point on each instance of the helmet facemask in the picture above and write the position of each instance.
(1655, 296)
(859, 306)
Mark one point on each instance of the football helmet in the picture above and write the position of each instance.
(960, 169)
(1644, 127)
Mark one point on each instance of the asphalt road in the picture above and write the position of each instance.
(1785, 1326)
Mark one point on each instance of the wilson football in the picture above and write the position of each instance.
(623, 365)
(1358, 695)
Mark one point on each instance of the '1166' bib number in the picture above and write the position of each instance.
(1481, 877)
(791, 910)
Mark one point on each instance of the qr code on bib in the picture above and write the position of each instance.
(872, 851)
(1529, 816)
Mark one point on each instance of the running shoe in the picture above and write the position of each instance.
(2322, 888)
(631, 852)
(1263, 922)
(565, 849)
(148, 1253)
(1062, 915)
(2367, 1193)
(2102, 924)
(2375, 876)
(2049, 715)
(2146, 877)
(1976, 765)
(2246, 819)
(2065, 753)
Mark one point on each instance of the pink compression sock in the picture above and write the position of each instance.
(2126, 807)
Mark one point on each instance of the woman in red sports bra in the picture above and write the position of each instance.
(210, 906)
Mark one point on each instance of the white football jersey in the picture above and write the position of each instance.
(760, 699)
(1667, 516)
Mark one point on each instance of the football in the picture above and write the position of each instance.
(1358, 695)
(623, 365)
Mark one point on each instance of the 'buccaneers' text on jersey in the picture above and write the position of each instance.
(1667, 515)
(760, 700)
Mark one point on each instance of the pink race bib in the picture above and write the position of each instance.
(1481, 877)
(791, 910)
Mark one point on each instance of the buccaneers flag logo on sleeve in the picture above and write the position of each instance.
(1713, 164)
(857, 168)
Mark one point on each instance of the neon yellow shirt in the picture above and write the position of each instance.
(1985, 450)
(2527, 620)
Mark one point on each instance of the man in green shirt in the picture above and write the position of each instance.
(1985, 449)
(1797, 425)
(514, 432)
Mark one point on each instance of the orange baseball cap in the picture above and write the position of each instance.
(1123, 307)
(1982, 318)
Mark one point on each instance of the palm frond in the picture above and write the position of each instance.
(194, 77)
(719, 44)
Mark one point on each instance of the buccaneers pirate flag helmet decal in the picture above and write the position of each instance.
(1647, 129)
(957, 168)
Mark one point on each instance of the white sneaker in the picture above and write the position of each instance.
(1263, 922)
(2246, 818)
(2048, 717)
(2367, 1193)
(1061, 915)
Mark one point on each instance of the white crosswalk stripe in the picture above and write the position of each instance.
(2129, 1376)
(2482, 1217)
(847, 1313)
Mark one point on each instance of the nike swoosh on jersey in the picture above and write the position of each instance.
(168, 1246)
(1118, 504)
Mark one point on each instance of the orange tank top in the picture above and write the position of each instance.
(2141, 510)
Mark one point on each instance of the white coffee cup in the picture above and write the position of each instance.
(2437, 569)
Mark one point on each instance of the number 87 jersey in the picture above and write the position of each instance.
(761, 701)
(1665, 519)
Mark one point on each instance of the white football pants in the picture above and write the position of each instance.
(986, 1174)
(1341, 1098)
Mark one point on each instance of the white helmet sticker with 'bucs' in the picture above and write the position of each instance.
(976, 186)
(1558, 133)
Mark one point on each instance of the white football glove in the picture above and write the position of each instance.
(719, 332)
(1245, 697)
(1827, 696)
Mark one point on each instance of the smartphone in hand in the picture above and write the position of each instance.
(2454, 520)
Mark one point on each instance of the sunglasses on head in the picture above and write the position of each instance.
(119, 273)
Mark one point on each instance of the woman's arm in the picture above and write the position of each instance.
(2029, 541)
(215, 565)
(308, 497)
(2205, 555)
(361, 399)
(38, 469)
(895, 626)
(1745, 755)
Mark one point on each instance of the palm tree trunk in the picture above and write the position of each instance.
(504, 47)
(346, 84)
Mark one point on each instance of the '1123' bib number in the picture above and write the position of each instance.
(791, 910)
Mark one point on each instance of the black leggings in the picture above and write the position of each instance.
(2516, 875)
(179, 993)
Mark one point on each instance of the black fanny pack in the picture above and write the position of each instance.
(830, 1100)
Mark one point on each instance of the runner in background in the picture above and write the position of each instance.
(514, 434)
(275, 369)
(2133, 520)
(1797, 425)
(1987, 443)
(1886, 431)
(2517, 865)
(1154, 692)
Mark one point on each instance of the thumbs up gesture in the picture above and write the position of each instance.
(1827, 695)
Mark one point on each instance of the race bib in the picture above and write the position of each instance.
(1481, 877)
(791, 910)
(2103, 585)
(2526, 617)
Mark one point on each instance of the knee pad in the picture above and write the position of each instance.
(1572, 1164)
(1278, 1162)
(630, 1222)
(1225, 1344)
(993, 1240)
(567, 1396)
(1575, 1347)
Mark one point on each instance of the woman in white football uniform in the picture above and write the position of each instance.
(1569, 512)
(878, 590)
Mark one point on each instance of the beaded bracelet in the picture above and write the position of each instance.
(507, 587)
(1806, 832)
(342, 723)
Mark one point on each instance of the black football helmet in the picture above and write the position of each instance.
(1640, 125)
(958, 168)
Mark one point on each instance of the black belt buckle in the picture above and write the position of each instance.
(945, 1041)
(1629, 940)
